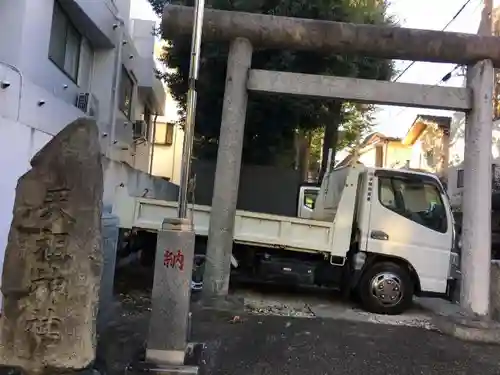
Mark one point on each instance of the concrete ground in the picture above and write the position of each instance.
(269, 345)
(301, 333)
(325, 304)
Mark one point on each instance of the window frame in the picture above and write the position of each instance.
(405, 177)
(147, 116)
(494, 182)
(69, 26)
(169, 136)
(460, 178)
(124, 108)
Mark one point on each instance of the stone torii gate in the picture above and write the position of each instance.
(245, 31)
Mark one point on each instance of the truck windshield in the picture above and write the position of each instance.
(416, 199)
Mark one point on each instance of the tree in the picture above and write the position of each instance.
(272, 121)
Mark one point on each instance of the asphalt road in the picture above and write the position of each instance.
(280, 345)
(271, 345)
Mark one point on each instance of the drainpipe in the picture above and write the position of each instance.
(153, 145)
(174, 151)
(116, 82)
(445, 153)
(91, 79)
(5, 84)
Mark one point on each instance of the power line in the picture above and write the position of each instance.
(456, 15)
(443, 29)
(445, 78)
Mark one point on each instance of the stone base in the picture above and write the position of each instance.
(155, 369)
(450, 319)
(469, 329)
(193, 363)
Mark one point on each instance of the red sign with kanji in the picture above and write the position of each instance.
(172, 259)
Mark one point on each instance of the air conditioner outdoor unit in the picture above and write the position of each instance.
(88, 103)
(140, 130)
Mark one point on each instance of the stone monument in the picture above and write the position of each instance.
(53, 260)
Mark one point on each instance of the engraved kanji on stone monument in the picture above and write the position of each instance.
(53, 259)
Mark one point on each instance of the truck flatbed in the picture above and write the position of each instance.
(251, 228)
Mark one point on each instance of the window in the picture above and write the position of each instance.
(416, 199)
(65, 43)
(164, 134)
(460, 178)
(495, 178)
(126, 91)
(147, 117)
(85, 66)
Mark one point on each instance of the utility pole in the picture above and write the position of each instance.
(169, 325)
(194, 67)
(476, 205)
(495, 27)
(485, 27)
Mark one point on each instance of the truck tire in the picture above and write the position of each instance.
(386, 288)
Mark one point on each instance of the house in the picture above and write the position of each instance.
(379, 150)
(425, 147)
(64, 59)
(168, 136)
(167, 150)
(428, 138)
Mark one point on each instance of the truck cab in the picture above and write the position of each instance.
(400, 216)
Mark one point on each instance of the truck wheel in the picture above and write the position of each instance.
(386, 288)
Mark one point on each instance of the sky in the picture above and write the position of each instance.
(420, 14)
(433, 15)
(141, 9)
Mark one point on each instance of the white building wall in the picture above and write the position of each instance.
(25, 27)
(124, 9)
(167, 160)
(141, 31)
(25, 43)
(457, 144)
(11, 22)
(40, 98)
(416, 155)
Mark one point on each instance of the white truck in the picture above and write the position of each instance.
(380, 235)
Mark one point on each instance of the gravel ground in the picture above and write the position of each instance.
(287, 335)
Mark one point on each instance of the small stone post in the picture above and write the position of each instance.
(170, 300)
(476, 229)
(227, 173)
(110, 233)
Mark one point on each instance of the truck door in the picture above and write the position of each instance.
(410, 219)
